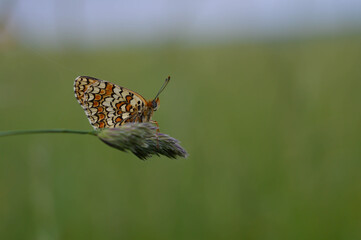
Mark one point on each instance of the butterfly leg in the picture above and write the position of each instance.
(156, 123)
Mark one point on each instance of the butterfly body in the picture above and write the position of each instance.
(108, 105)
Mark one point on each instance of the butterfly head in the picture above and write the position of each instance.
(154, 104)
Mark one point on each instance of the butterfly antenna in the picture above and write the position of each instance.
(162, 88)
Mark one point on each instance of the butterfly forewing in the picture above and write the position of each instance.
(106, 104)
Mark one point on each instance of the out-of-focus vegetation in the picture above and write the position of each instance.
(273, 131)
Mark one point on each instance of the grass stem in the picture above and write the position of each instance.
(22, 132)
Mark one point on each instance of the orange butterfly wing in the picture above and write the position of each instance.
(106, 104)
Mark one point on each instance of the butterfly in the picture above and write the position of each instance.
(108, 105)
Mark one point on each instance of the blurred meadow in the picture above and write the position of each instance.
(273, 129)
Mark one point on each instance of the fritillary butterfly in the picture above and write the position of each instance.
(108, 105)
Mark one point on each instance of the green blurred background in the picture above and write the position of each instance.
(273, 129)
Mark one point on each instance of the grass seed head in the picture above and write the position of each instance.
(142, 140)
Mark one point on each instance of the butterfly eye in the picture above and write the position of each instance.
(154, 105)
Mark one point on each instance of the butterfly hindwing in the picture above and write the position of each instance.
(106, 104)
